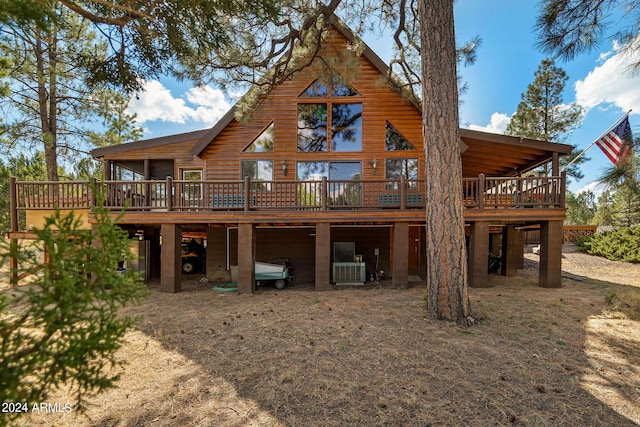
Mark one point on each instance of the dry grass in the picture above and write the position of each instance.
(538, 357)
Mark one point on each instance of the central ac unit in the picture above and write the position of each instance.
(349, 273)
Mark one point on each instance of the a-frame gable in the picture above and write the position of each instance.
(368, 55)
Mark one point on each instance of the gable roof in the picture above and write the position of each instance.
(369, 54)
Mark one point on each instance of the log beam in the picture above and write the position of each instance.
(478, 254)
(171, 257)
(323, 257)
(551, 254)
(400, 253)
(246, 258)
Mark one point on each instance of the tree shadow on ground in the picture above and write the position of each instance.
(373, 357)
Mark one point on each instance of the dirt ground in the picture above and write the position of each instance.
(371, 356)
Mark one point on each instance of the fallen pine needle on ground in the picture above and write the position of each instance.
(371, 356)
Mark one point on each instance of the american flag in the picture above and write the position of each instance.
(616, 144)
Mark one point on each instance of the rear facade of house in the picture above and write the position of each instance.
(327, 173)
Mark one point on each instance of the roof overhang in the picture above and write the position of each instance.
(98, 153)
(504, 155)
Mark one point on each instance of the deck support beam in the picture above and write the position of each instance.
(400, 253)
(171, 257)
(246, 258)
(512, 253)
(478, 254)
(323, 256)
(216, 252)
(551, 237)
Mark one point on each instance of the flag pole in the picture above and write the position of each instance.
(597, 139)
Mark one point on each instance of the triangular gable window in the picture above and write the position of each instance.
(322, 90)
(316, 89)
(263, 143)
(395, 141)
(340, 88)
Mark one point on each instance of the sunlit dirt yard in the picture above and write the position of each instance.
(370, 356)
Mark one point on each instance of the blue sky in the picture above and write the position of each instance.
(507, 60)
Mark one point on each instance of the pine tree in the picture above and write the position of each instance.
(569, 27)
(50, 107)
(604, 213)
(66, 326)
(626, 207)
(581, 208)
(623, 180)
(542, 114)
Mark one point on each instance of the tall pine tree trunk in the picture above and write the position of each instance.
(45, 53)
(446, 252)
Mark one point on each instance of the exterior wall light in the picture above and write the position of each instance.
(284, 167)
(374, 165)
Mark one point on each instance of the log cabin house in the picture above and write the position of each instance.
(324, 163)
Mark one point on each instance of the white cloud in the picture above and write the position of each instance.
(498, 124)
(611, 83)
(205, 105)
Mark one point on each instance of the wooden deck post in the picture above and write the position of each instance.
(324, 194)
(247, 193)
(563, 189)
(216, 251)
(171, 258)
(147, 186)
(323, 256)
(519, 249)
(551, 254)
(168, 194)
(246, 258)
(400, 253)
(108, 171)
(13, 213)
(479, 254)
(481, 190)
(510, 252)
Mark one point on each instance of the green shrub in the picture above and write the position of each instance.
(621, 244)
(65, 327)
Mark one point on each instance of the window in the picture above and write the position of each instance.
(192, 174)
(345, 122)
(192, 191)
(346, 127)
(257, 170)
(338, 87)
(341, 191)
(316, 89)
(395, 141)
(395, 168)
(331, 125)
(312, 127)
(307, 171)
(263, 143)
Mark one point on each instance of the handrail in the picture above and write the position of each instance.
(247, 195)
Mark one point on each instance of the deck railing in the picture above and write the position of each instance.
(180, 195)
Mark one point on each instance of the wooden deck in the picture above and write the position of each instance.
(173, 201)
